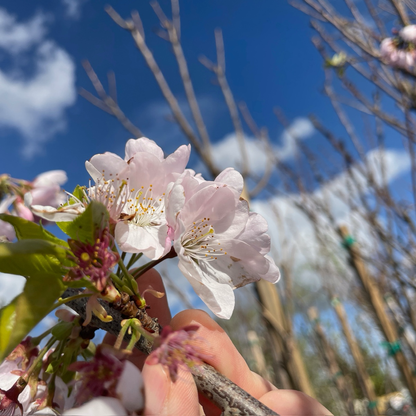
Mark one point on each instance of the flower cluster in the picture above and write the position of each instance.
(108, 381)
(155, 203)
(400, 51)
(178, 349)
(109, 374)
(17, 194)
(93, 260)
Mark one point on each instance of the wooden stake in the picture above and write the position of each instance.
(332, 363)
(365, 381)
(274, 313)
(376, 300)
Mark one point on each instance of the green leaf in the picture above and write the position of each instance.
(29, 257)
(26, 310)
(29, 230)
(78, 193)
(84, 227)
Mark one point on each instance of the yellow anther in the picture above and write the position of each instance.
(85, 257)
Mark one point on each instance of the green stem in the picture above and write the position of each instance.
(124, 270)
(151, 264)
(39, 338)
(133, 259)
(116, 280)
(63, 301)
(120, 337)
(39, 358)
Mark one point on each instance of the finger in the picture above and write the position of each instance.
(158, 308)
(163, 397)
(291, 402)
(222, 355)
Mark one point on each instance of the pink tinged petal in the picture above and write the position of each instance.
(48, 195)
(60, 397)
(7, 379)
(7, 230)
(150, 240)
(408, 33)
(254, 233)
(146, 169)
(103, 406)
(26, 399)
(143, 145)
(66, 213)
(51, 177)
(273, 274)
(177, 161)
(232, 178)
(24, 212)
(107, 164)
(217, 204)
(217, 296)
(243, 262)
(130, 387)
(174, 203)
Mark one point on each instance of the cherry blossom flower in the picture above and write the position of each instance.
(46, 188)
(397, 54)
(15, 393)
(408, 33)
(143, 227)
(133, 189)
(178, 349)
(108, 374)
(93, 261)
(220, 246)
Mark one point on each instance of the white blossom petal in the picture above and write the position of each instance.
(102, 406)
(144, 145)
(130, 387)
(61, 214)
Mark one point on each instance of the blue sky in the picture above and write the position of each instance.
(267, 49)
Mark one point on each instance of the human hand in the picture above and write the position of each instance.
(164, 397)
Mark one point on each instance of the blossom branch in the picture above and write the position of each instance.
(219, 389)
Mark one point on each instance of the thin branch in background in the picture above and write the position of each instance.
(176, 17)
(112, 86)
(262, 136)
(105, 102)
(401, 11)
(138, 37)
(174, 39)
(219, 71)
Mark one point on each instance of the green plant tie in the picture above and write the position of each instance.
(337, 374)
(392, 347)
(348, 241)
(372, 404)
(335, 302)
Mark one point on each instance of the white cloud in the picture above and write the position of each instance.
(18, 37)
(293, 235)
(73, 8)
(227, 151)
(301, 128)
(35, 105)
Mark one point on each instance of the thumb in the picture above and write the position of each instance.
(163, 397)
